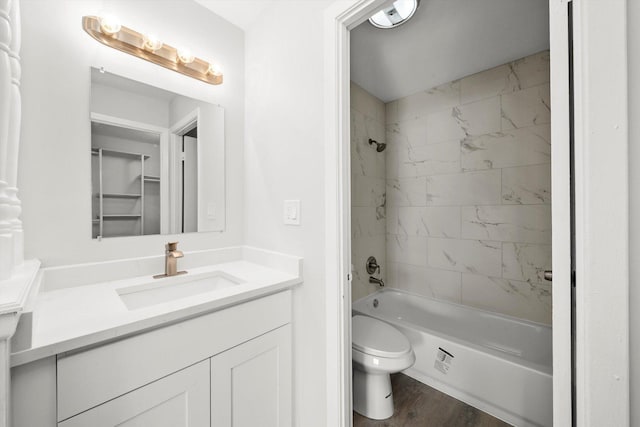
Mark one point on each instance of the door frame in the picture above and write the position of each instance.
(340, 17)
(602, 359)
(176, 131)
(561, 315)
(601, 213)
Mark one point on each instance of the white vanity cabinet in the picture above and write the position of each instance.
(246, 386)
(230, 367)
(178, 400)
(251, 383)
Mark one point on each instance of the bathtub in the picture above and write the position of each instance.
(498, 364)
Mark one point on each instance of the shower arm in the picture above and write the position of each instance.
(380, 146)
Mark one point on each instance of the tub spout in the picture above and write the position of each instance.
(378, 281)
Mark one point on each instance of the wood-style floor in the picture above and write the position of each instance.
(418, 405)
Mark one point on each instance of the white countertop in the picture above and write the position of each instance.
(15, 290)
(71, 318)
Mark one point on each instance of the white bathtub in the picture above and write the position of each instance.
(498, 364)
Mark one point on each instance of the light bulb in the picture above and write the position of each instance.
(110, 25)
(185, 56)
(215, 69)
(151, 42)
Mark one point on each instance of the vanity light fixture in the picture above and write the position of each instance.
(107, 30)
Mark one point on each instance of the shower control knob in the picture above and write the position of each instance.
(548, 275)
(372, 265)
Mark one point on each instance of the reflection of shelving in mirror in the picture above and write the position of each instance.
(96, 151)
(121, 196)
(121, 154)
(149, 178)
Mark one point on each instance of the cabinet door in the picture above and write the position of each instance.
(178, 400)
(251, 383)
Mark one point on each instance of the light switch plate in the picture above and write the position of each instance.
(292, 212)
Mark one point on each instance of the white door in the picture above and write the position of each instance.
(178, 400)
(251, 383)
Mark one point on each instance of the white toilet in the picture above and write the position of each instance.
(378, 350)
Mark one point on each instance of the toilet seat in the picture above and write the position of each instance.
(377, 338)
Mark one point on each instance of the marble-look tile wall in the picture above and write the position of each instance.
(469, 190)
(368, 227)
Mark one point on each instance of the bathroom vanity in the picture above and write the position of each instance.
(210, 347)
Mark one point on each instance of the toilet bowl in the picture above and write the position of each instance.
(378, 350)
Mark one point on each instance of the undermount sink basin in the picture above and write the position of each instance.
(168, 289)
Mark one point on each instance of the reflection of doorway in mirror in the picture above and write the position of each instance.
(183, 172)
(203, 166)
(190, 181)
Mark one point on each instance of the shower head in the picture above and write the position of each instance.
(380, 146)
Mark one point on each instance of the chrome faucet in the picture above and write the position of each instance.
(171, 256)
(379, 282)
(372, 268)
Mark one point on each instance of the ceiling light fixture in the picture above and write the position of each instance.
(108, 31)
(394, 15)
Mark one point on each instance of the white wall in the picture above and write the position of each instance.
(284, 159)
(633, 35)
(55, 176)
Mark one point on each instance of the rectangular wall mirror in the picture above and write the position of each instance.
(157, 160)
